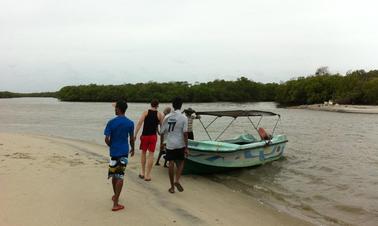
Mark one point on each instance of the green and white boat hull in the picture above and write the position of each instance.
(245, 151)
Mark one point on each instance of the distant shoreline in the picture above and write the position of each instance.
(360, 109)
(341, 108)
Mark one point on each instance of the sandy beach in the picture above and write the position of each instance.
(54, 181)
(362, 109)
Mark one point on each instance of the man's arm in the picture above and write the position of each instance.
(186, 144)
(132, 143)
(185, 131)
(107, 133)
(163, 126)
(139, 124)
(161, 141)
(107, 140)
(162, 133)
(160, 118)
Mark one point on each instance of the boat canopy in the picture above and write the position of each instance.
(237, 113)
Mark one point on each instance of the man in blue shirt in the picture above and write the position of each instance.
(117, 132)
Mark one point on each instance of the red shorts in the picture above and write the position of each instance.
(148, 143)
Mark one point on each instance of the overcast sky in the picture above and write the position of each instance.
(48, 44)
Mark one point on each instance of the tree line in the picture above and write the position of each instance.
(356, 87)
(241, 90)
(6, 94)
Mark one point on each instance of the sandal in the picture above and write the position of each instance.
(179, 187)
(141, 176)
(171, 190)
(118, 207)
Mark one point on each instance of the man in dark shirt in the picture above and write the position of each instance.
(150, 120)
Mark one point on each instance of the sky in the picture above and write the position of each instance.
(48, 44)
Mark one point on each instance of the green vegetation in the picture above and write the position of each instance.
(241, 90)
(357, 87)
(6, 94)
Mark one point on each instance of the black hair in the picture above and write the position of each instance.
(121, 105)
(177, 103)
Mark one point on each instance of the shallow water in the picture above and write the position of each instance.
(329, 174)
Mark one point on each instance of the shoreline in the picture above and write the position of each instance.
(342, 108)
(56, 181)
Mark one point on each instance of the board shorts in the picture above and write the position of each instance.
(117, 166)
(148, 142)
(175, 154)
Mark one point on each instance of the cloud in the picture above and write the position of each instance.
(75, 42)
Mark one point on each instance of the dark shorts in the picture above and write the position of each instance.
(175, 154)
(117, 166)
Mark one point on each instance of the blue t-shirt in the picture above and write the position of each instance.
(119, 129)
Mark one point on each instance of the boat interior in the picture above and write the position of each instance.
(242, 139)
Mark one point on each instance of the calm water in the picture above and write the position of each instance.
(329, 173)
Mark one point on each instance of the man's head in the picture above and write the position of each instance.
(167, 110)
(154, 103)
(177, 103)
(189, 111)
(120, 107)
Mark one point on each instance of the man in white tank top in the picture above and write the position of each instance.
(175, 131)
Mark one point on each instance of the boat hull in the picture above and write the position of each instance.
(221, 157)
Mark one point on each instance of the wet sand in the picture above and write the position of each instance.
(362, 109)
(54, 181)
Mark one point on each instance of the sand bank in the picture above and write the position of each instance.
(362, 109)
(54, 181)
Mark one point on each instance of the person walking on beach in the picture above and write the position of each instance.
(150, 120)
(175, 130)
(162, 151)
(117, 132)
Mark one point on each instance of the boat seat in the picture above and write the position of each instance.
(241, 140)
(242, 143)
